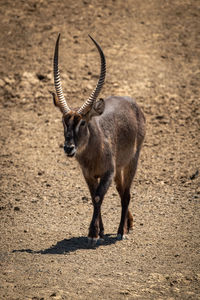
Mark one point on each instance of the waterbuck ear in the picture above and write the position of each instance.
(99, 106)
(55, 98)
(97, 109)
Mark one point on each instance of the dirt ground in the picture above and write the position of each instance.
(153, 54)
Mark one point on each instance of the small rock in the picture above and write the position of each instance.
(85, 199)
(49, 76)
(38, 94)
(193, 176)
(41, 77)
(8, 89)
(159, 117)
(2, 83)
(30, 77)
(89, 86)
(9, 80)
(16, 208)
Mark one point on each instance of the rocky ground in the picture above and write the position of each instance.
(152, 50)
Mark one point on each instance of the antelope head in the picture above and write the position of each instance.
(75, 121)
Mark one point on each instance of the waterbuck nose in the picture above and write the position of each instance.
(69, 148)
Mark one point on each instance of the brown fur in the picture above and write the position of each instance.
(107, 146)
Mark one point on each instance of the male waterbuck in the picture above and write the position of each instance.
(105, 136)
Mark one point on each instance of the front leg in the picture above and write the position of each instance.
(98, 192)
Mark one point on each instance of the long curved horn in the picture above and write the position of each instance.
(61, 98)
(89, 102)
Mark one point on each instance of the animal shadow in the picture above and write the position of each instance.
(70, 245)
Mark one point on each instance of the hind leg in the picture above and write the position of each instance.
(120, 188)
(126, 222)
(129, 221)
(123, 181)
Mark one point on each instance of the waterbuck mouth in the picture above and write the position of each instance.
(70, 150)
(71, 154)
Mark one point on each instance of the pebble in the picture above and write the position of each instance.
(31, 77)
(89, 86)
(85, 199)
(16, 208)
(9, 80)
(2, 83)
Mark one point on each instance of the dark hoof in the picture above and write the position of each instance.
(121, 237)
(92, 242)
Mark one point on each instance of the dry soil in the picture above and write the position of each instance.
(153, 51)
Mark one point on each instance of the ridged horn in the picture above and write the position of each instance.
(89, 102)
(57, 82)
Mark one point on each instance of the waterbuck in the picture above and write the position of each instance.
(105, 136)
